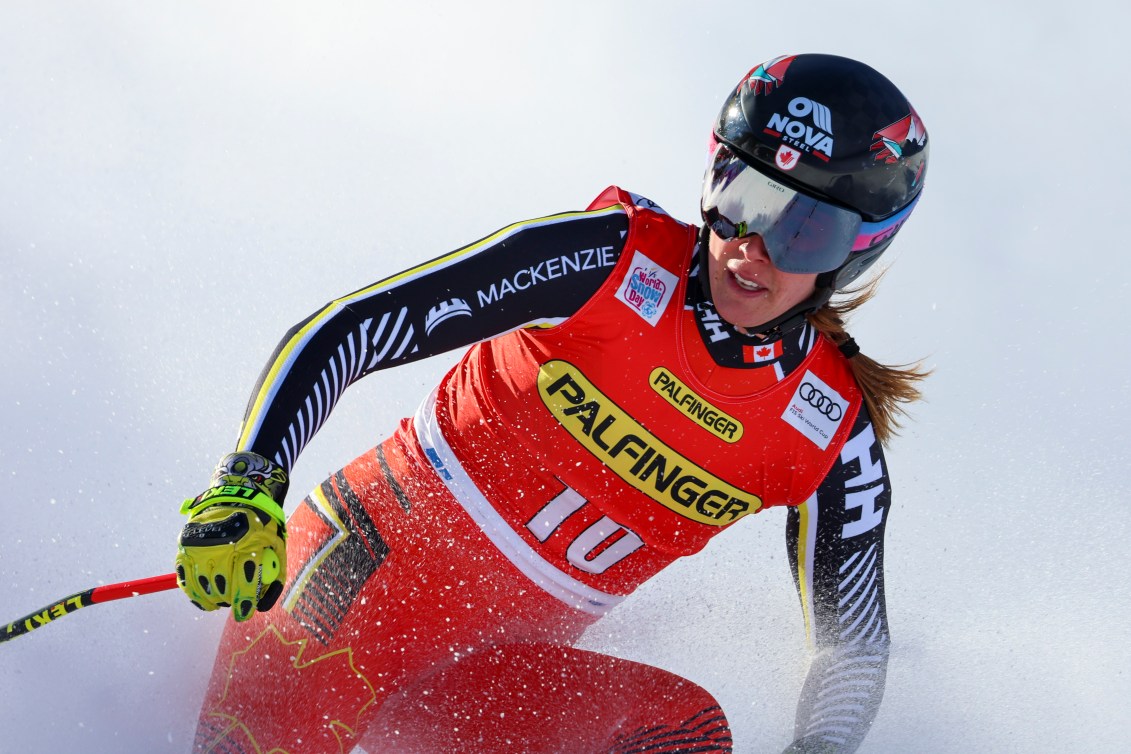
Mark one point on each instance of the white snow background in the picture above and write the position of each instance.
(181, 182)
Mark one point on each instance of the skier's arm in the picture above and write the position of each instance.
(528, 274)
(835, 543)
(232, 552)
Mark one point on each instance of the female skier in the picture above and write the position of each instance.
(634, 385)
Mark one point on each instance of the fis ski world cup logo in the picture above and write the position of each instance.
(764, 78)
(815, 410)
(647, 288)
(889, 141)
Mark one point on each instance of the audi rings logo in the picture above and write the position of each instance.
(831, 409)
(818, 400)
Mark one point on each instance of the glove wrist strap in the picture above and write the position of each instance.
(234, 494)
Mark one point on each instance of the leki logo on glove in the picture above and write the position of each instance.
(229, 490)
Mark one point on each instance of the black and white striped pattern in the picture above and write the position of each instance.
(860, 618)
(837, 542)
(707, 731)
(359, 353)
(852, 674)
(325, 587)
(387, 323)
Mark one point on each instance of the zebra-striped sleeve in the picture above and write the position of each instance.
(531, 273)
(835, 541)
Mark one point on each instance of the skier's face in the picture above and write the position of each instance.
(746, 288)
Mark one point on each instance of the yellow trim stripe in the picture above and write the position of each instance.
(804, 572)
(301, 579)
(289, 351)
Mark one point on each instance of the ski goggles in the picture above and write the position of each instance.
(802, 234)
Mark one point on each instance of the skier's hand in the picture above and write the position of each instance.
(233, 552)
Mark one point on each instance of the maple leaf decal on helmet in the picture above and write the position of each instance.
(765, 77)
(890, 139)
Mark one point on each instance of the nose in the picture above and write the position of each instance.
(754, 249)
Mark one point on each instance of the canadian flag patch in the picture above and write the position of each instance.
(763, 353)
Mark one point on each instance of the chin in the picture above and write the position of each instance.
(741, 316)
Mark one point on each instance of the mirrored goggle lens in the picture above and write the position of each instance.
(801, 234)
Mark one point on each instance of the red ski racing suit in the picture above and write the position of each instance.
(604, 422)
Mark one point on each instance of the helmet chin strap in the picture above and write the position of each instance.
(788, 321)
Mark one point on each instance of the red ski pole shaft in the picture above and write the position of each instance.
(79, 600)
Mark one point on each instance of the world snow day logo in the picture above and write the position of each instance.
(647, 288)
(644, 291)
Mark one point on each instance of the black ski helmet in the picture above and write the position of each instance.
(834, 129)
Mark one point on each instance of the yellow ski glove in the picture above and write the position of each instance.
(233, 550)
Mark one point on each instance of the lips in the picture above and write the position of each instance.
(745, 283)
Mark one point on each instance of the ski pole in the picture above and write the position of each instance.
(82, 599)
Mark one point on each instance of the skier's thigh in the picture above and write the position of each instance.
(552, 699)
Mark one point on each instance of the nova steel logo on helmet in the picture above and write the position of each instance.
(889, 140)
(813, 137)
(765, 77)
(818, 400)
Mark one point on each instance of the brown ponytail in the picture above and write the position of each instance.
(887, 389)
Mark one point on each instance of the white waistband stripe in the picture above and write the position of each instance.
(569, 590)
